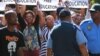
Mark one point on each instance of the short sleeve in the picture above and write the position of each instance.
(81, 39)
(49, 42)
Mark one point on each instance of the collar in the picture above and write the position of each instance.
(66, 21)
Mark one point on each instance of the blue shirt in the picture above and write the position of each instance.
(79, 37)
(57, 21)
(92, 33)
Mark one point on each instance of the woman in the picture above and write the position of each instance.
(31, 40)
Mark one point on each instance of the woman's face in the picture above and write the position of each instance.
(30, 18)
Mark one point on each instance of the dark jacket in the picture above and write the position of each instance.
(64, 40)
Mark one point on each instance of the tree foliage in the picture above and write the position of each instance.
(96, 1)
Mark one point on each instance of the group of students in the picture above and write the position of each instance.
(56, 33)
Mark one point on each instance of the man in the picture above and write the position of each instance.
(11, 40)
(49, 21)
(65, 40)
(91, 29)
(77, 17)
(57, 20)
(45, 31)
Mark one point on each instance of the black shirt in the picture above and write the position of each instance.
(10, 42)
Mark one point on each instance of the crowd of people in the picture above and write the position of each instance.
(29, 31)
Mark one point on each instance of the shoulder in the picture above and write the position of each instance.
(66, 24)
(19, 33)
(2, 32)
(55, 27)
(2, 29)
(86, 21)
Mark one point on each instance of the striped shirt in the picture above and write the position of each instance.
(44, 38)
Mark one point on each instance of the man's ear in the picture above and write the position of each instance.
(68, 17)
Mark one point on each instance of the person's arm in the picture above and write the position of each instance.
(21, 45)
(21, 22)
(83, 50)
(41, 16)
(20, 51)
(19, 8)
(16, 6)
(81, 39)
(41, 19)
(49, 52)
(20, 13)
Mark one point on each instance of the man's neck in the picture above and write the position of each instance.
(67, 21)
(97, 22)
(11, 28)
(50, 27)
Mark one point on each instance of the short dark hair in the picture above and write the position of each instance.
(59, 9)
(9, 15)
(11, 5)
(64, 13)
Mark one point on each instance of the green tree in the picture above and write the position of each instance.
(97, 1)
(92, 1)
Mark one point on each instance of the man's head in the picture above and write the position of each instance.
(49, 21)
(65, 15)
(95, 11)
(11, 17)
(58, 10)
(76, 17)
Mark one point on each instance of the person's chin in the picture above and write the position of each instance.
(15, 24)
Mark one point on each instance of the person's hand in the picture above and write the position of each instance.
(39, 12)
(15, 1)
